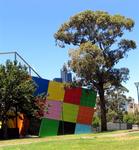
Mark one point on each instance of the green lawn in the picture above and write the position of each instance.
(120, 140)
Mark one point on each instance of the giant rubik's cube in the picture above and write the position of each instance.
(70, 110)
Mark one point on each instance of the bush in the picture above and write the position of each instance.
(96, 122)
(128, 118)
(131, 118)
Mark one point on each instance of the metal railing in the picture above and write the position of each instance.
(16, 56)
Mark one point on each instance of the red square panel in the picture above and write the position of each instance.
(85, 115)
(73, 95)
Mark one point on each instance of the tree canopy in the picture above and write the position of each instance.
(99, 45)
(16, 91)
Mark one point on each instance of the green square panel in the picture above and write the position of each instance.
(88, 98)
(48, 127)
(70, 112)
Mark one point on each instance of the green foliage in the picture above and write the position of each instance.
(136, 119)
(16, 91)
(96, 121)
(116, 100)
(111, 115)
(93, 26)
(129, 118)
(99, 47)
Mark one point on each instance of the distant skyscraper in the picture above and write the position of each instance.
(69, 77)
(66, 75)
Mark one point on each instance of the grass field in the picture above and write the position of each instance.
(118, 140)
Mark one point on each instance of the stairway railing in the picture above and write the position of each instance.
(17, 55)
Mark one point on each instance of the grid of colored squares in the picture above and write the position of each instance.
(50, 127)
(69, 111)
(57, 92)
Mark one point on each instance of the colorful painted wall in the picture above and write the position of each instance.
(69, 110)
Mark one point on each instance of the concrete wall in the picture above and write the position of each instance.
(116, 126)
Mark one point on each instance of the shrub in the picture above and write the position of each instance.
(96, 121)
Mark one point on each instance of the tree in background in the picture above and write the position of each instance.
(97, 37)
(117, 102)
(131, 118)
(16, 92)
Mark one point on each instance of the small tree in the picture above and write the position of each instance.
(99, 46)
(16, 92)
(116, 101)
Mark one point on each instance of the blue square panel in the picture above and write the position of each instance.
(41, 85)
(81, 128)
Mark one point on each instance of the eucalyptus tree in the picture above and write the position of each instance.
(100, 44)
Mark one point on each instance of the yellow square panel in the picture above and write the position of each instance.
(56, 91)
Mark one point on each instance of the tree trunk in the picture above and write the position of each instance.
(103, 109)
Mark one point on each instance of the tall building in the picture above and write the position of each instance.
(132, 107)
(66, 75)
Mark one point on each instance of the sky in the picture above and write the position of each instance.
(28, 27)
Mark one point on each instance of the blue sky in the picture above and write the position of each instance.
(28, 26)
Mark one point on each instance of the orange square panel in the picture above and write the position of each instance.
(85, 115)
